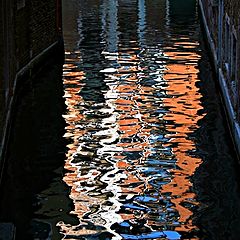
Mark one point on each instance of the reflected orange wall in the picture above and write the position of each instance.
(184, 106)
(73, 77)
(133, 106)
(131, 120)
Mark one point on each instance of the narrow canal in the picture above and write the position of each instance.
(148, 151)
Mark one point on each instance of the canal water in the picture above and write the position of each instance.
(146, 152)
(149, 154)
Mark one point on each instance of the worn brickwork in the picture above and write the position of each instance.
(22, 36)
(27, 29)
(43, 25)
(1, 54)
(1, 49)
(1, 70)
(7, 68)
(35, 28)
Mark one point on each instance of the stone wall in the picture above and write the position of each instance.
(223, 38)
(211, 14)
(232, 8)
(228, 44)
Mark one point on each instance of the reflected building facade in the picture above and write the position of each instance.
(129, 159)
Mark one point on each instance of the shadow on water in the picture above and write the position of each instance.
(216, 181)
(33, 195)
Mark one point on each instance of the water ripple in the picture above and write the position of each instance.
(132, 102)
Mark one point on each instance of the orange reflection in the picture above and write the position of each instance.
(127, 130)
(73, 78)
(183, 108)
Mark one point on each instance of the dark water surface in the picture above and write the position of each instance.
(149, 155)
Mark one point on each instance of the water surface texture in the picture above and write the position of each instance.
(138, 124)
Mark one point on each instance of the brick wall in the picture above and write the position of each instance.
(27, 28)
(22, 35)
(43, 24)
(1, 51)
(1, 65)
(35, 28)
(7, 69)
